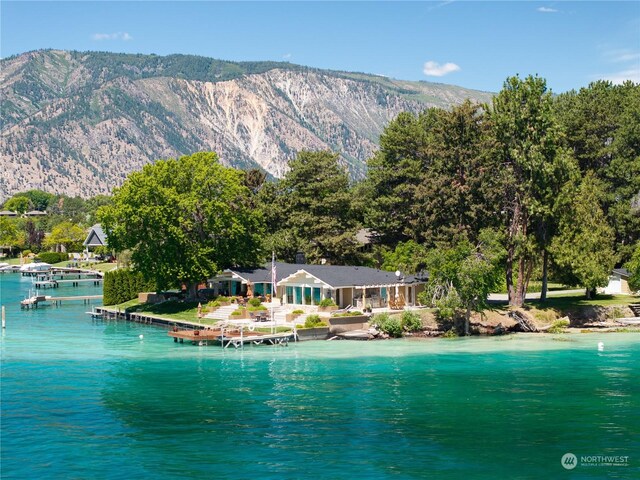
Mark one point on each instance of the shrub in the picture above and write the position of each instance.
(123, 285)
(258, 308)
(254, 302)
(450, 334)
(559, 326)
(616, 312)
(214, 304)
(546, 316)
(222, 299)
(297, 312)
(327, 302)
(238, 312)
(53, 257)
(390, 326)
(313, 321)
(353, 313)
(411, 322)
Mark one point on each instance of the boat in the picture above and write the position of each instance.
(10, 268)
(35, 267)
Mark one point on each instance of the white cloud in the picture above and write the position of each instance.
(124, 36)
(622, 76)
(622, 55)
(434, 69)
(440, 5)
(547, 10)
(286, 56)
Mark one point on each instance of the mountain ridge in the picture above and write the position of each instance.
(79, 122)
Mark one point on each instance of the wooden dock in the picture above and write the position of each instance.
(235, 337)
(35, 300)
(50, 283)
(184, 330)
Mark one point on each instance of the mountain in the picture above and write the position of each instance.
(79, 122)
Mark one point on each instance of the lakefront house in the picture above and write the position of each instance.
(301, 284)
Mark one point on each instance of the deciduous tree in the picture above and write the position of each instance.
(184, 220)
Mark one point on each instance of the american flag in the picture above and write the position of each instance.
(273, 274)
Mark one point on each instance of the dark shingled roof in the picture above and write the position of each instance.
(96, 237)
(623, 272)
(334, 275)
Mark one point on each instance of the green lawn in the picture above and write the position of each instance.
(576, 301)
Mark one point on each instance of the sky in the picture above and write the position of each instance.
(474, 44)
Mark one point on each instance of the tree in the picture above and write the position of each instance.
(66, 234)
(38, 199)
(394, 174)
(312, 212)
(18, 203)
(602, 127)
(584, 245)
(34, 235)
(461, 276)
(408, 257)
(459, 191)
(184, 220)
(9, 233)
(534, 170)
(633, 265)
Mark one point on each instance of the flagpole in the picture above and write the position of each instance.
(273, 289)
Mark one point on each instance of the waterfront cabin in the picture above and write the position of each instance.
(301, 284)
(618, 282)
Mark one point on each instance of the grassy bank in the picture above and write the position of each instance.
(577, 301)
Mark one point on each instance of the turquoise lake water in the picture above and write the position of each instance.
(86, 398)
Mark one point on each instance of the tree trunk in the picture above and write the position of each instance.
(518, 300)
(591, 293)
(509, 273)
(192, 288)
(467, 317)
(545, 261)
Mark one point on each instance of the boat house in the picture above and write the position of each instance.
(301, 284)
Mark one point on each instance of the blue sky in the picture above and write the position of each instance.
(472, 44)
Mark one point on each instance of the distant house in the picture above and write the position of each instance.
(8, 213)
(309, 284)
(95, 238)
(35, 213)
(618, 282)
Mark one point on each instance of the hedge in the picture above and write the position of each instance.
(123, 285)
(53, 257)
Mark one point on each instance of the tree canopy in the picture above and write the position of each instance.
(311, 211)
(184, 220)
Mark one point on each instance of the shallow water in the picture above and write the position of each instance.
(85, 398)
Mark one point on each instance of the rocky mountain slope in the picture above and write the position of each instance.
(78, 122)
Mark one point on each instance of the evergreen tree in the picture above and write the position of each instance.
(313, 211)
(534, 169)
(584, 246)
